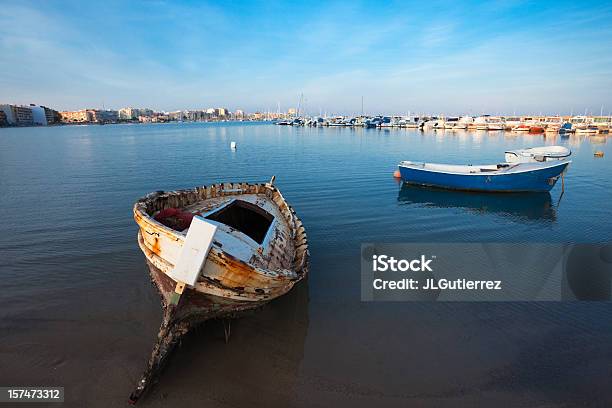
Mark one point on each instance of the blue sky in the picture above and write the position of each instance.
(437, 56)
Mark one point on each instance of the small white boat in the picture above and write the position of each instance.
(481, 123)
(537, 154)
(511, 122)
(552, 124)
(451, 123)
(588, 130)
(429, 124)
(464, 122)
(439, 124)
(494, 123)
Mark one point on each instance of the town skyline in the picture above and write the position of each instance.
(497, 57)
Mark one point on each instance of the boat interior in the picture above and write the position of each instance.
(245, 217)
(245, 224)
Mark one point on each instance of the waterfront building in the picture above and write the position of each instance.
(128, 114)
(7, 113)
(160, 117)
(23, 115)
(80, 116)
(38, 115)
(3, 121)
(107, 116)
(145, 112)
(175, 116)
(16, 115)
(51, 115)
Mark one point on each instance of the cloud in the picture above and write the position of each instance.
(180, 55)
(437, 34)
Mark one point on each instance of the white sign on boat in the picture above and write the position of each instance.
(195, 250)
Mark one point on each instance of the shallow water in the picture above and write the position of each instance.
(77, 308)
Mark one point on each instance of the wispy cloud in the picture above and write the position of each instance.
(437, 34)
(440, 56)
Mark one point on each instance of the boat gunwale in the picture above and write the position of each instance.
(499, 172)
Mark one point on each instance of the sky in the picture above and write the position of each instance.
(442, 57)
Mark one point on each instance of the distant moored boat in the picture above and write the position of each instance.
(503, 177)
(537, 154)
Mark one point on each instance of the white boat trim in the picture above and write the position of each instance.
(473, 170)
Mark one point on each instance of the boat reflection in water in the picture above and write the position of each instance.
(521, 206)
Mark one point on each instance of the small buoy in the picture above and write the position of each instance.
(233, 145)
(397, 174)
(599, 153)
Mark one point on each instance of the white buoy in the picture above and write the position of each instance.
(233, 145)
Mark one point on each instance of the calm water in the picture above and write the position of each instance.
(77, 308)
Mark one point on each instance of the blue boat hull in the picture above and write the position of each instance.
(539, 179)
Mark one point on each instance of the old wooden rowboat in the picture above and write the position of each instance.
(214, 252)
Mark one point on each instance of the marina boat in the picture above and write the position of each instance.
(552, 124)
(439, 124)
(537, 154)
(481, 123)
(511, 122)
(451, 123)
(372, 123)
(566, 128)
(464, 122)
(386, 122)
(216, 252)
(521, 128)
(603, 123)
(411, 124)
(429, 124)
(579, 122)
(494, 123)
(538, 128)
(591, 129)
(503, 177)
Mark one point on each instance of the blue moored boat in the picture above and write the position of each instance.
(503, 177)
